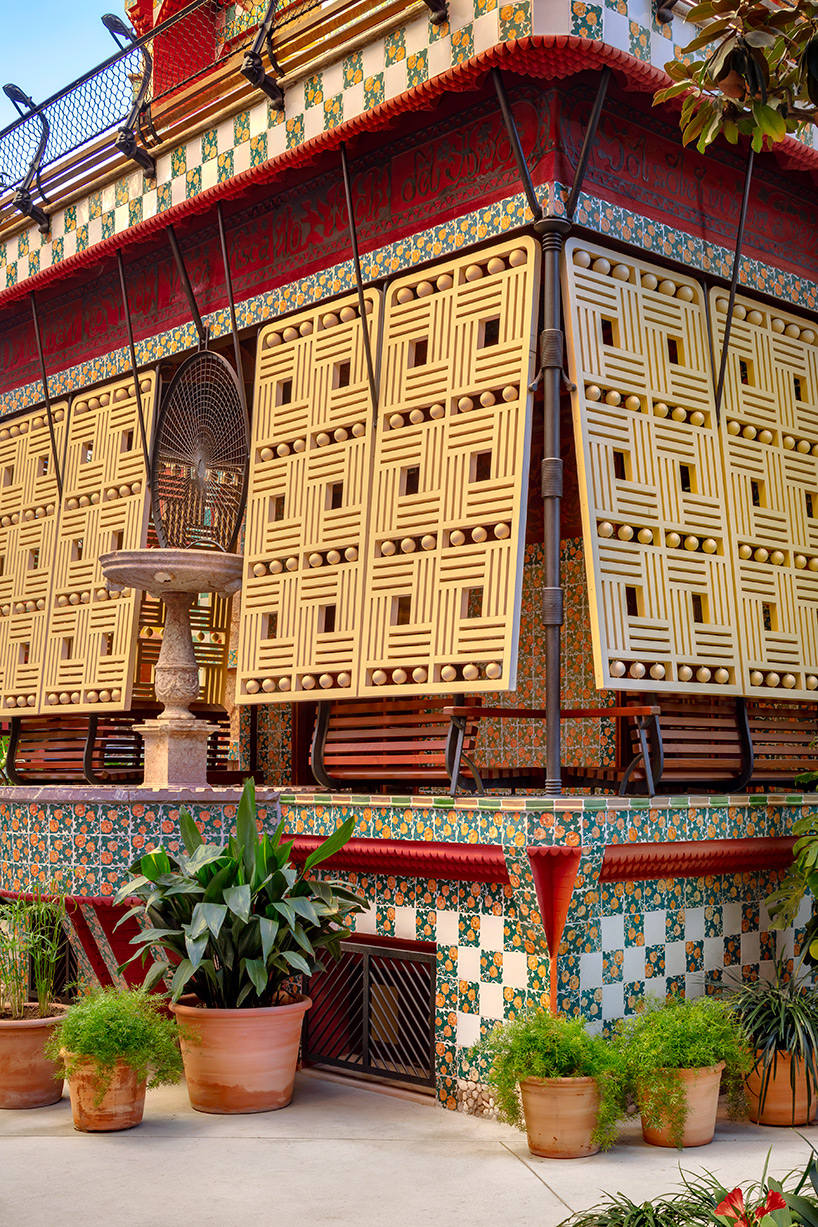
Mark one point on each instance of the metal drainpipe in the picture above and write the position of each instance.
(553, 232)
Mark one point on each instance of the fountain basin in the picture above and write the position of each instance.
(160, 571)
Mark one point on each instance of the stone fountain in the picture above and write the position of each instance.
(175, 742)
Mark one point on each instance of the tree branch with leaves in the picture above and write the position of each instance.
(758, 76)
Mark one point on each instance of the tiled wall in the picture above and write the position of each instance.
(621, 942)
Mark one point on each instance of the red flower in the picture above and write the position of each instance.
(733, 1205)
(774, 1202)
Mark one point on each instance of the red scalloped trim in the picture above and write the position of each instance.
(693, 858)
(552, 56)
(413, 858)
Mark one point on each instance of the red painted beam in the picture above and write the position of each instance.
(694, 858)
(412, 858)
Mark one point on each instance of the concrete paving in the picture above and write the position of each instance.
(339, 1156)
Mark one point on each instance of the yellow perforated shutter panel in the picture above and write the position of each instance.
(29, 507)
(450, 486)
(770, 446)
(310, 480)
(651, 485)
(92, 633)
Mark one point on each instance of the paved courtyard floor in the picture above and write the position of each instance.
(339, 1156)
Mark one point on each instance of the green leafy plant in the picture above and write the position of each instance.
(781, 1016)
(801, 878)
(540, 1045)
(757, 74)
(31, 941)
(109, 1025)
(238, 921)
(682, 1033)
(700, 1201)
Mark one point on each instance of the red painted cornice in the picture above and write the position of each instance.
(551, 57)
(692, 858)
(412, 858)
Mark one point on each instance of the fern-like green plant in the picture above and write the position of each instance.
(682, 1033)
(540, 1045)
(110, 1025)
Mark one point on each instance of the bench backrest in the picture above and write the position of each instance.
(784, 740)
(704, 742)
(383, 739)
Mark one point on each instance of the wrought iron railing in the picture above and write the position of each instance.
(160, 87)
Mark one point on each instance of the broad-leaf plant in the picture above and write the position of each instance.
(756, 74)
(237, 922)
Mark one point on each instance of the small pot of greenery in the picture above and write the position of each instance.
(114, 1043)
(676, 1054)
(780, 1017)
(554, 1080)
(31, 942)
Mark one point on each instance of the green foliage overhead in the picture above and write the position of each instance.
(756, 73)
(238, 921)
(539, 1045)
(110, 1025)
(682, 1033)
(802, 878)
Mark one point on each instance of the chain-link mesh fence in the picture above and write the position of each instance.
(177, 55)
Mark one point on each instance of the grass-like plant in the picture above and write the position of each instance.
(238, 921)
(781, 1016)
(682, 1033)
(31, 941)
(109, 1025)
(540, 1045)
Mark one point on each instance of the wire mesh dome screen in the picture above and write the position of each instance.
(200, 457)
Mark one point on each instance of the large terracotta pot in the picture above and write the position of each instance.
(702, 1090)
(27, 1078)
(241, 1060)
(560, 1116)
(779, 1106)
(121, 1107)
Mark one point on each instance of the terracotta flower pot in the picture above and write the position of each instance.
(560, 1116)
(28, 1079)
(241, 1060)
(702, 1090)
(779, 1106)
(121, 1107)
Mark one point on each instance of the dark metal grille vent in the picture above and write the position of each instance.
(373, 1013)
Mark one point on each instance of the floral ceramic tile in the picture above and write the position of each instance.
(295, 131)
(135, 212)
(193, 182)
(313, 90)
(373, 91)
(163, 197)
(210, 145)
(333, 111)
(258, 149)
(241, 128)
(353, 69)
(586, 19)
(178, 161)
(463, 44)
(395, 47)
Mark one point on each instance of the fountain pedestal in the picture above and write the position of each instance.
(175, 742)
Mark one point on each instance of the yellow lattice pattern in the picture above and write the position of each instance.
(770, 444)
(650, 476)
(451, 473)
(29, 507)
(210, 626)
(92, 631)
(309, 490)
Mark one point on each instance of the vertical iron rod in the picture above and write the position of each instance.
(356, 261)
(187, 287)
(553, 232)
(587, 144)
(46, 397)
(745, 199)
(514, 140)
(228, 279)
(123, 285)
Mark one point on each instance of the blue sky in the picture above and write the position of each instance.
(46, 44)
